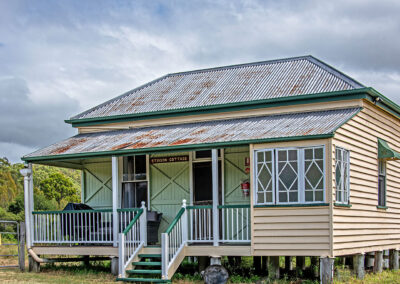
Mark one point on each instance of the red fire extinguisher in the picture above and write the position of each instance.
(245, 185)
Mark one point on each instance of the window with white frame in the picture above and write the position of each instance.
(342, 175)
(290, 175)
(382, 183)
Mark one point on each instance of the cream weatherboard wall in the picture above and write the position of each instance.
(300, 231)
(363, 227)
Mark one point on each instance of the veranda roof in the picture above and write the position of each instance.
(208, 134)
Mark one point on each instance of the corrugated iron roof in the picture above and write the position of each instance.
(229, 84)
(232, 130)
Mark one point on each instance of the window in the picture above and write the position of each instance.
(290, 175)
(134, 181)
(382, 183)
(342, 170)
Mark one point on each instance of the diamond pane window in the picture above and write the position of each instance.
(288, 176)
(314, 174)
(265, 177)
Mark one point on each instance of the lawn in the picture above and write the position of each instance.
(78, 274)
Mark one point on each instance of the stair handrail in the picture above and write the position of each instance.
(132, 239)
(174, 240)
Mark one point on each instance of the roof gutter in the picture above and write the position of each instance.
(177, 148)
(266, 103)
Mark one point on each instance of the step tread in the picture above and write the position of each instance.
(150, 255)
(147, 263)
(144, 271)
(154, 280)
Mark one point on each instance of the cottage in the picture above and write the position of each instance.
(286, 157)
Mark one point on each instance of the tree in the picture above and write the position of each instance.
(59, 187)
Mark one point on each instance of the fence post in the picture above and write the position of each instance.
(121, 255)
(164, 255)
(143, 225)
(185, 225)
(21, 247)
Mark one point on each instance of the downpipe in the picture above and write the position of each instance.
(39, 259)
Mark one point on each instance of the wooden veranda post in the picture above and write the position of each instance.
(114, 173)
(214, 163)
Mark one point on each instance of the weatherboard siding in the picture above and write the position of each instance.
(364, 227)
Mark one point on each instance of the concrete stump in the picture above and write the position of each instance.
(34, 266)
(386, 259)
(264, 264)
(114, 266)
(358, 262)
(369, 260)
(215, 274)
(273, 267)
(326, 269)
(394, 259)
(215, 260)
(378, 263)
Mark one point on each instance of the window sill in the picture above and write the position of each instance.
(382, 207)
(290, 205)
(342, 205)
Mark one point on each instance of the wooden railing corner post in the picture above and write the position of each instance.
(185, 225)
(164, 255)
(143, 224)
(121, 255)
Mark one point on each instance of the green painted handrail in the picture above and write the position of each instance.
(134, 220)
(73, 211)
(199, 207)
(234, 206)
(173, 223)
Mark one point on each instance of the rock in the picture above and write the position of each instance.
(215, 274)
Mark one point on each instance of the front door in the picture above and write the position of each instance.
(202, 183)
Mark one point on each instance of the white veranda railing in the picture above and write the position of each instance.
(132, 239)
(78, 226)
(194, 224)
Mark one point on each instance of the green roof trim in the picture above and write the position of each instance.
(361, 93)
(385, 152)
(204, 146)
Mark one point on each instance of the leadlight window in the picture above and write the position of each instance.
(382, 183)
(134, 181)
(290, 175)
(342, 175)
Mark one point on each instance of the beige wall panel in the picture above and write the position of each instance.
(279, 230)
(364, 227)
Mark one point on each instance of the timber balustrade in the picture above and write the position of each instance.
(132, 239)
(193, 224)
(78, 226)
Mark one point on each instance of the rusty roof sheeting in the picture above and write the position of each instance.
(230, 84)
(242, 129)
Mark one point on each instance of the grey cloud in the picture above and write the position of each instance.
(28, 123)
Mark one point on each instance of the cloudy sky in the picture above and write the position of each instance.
(58, 58)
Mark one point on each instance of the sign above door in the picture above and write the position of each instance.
(172, 159)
